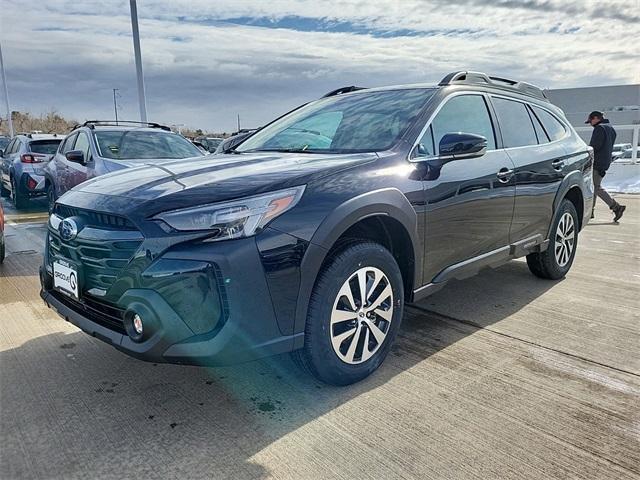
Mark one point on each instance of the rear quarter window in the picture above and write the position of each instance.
(551, 124)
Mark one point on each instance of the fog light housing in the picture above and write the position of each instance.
(137, 324)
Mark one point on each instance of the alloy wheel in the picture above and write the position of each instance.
(565, 239)
(361, 315)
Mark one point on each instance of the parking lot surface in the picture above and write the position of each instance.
(502, 375)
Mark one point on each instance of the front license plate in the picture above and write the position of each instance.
(65, 278)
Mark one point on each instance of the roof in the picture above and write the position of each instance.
(42, 136)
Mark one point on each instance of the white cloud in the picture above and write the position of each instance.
(69, 54)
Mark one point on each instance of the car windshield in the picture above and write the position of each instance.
(358, 122)
(47, 147)
(4, 141)
(144, 144)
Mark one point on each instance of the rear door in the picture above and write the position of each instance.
(539, 159)
(469, 203)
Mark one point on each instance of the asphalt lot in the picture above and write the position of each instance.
(499, 376)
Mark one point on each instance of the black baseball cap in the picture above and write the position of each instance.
(594, 114)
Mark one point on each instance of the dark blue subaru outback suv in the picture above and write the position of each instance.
(311, 235)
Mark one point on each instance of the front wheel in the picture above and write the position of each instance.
(51, 197)
(354, 314)
(556, 260)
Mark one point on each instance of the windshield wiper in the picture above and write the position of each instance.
(284, 150)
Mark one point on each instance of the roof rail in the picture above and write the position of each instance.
(113, 123)
(479, 78)
(340, 91)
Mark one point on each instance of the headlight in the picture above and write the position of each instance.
(234, 219)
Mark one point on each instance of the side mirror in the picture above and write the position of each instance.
(456, 146)
(76, 156)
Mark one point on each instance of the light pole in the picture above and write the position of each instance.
(115, 104)
(136, 50)
(6, 94)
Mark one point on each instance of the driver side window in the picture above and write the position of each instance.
(460, 114)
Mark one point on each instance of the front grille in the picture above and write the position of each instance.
(101, 313)
(95, 219)
(102, 253)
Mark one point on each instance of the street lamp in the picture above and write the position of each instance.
(6, 94)
(136, 50)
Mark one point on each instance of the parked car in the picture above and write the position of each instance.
(228, 144)
(618, 149)
(290, 244)
(2, 248)
(4, 141)
(209, 143)
(22, 166)
(627, 156)
(98, 147)
(201, 147)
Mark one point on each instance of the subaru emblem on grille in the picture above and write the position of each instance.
(68, 229)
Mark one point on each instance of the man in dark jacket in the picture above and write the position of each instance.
(602, 140)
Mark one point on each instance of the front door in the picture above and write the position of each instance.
(77, 173)
(469, 203)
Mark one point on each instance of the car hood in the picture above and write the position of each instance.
(214, 178)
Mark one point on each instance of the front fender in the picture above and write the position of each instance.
(388, 201)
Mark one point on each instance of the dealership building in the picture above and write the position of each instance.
(619, 103)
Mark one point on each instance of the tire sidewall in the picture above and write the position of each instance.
(326, 363)
(51, 197)
(565, 207)
(16, 197)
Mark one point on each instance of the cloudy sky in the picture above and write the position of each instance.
(206, 61)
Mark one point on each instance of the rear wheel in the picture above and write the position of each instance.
(557, 259)
(4, 192)
(354, 315)
(17, 197)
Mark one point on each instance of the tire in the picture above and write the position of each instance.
(4, 192)
(344, 363)
(51, 197)
(19, 199)
(556, 260)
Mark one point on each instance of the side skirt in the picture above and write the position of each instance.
(472, 266)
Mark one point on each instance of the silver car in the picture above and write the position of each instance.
(22, 163)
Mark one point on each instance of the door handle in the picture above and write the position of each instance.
(557, 164)
(505, 174)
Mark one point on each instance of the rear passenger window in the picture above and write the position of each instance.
(466, 114)
(515, 123)
(551, 124)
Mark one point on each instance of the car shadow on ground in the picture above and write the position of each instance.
(110, 413)
(36, 205)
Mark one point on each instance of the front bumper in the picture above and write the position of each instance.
(245, 327)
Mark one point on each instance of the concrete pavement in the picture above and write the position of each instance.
(499, 376)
